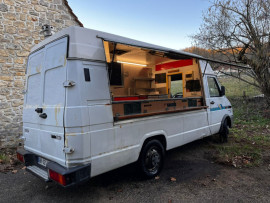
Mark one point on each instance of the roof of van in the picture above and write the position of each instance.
(86, 43)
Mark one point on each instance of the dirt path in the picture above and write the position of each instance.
(198, 179)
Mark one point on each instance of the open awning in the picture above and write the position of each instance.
(170, 53)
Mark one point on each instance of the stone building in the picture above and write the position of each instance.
(20, 29)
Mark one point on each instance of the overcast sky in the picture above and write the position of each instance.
(167, 23)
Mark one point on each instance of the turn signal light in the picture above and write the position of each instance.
(57, 177)
(20, 157)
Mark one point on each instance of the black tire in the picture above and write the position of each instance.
(223, 134)
(151, 159)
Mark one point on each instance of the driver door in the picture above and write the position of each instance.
(215, 101)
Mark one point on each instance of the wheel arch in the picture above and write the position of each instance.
(228, 118)
(158, 135)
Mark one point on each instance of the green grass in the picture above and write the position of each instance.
(252, 123)
(239, 155)
(235, 87)
(176, 87)
(4, 158)
(250, 136)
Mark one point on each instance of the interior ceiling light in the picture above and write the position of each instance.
(136, 64)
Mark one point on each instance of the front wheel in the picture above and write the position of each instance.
(151, 158)
(223, 134)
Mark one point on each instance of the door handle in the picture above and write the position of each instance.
(39, 110)
(212, 102)
(43, 115)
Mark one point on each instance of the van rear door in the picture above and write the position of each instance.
(44, 103)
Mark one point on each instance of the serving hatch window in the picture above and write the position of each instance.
(148, 82)
(140, 71)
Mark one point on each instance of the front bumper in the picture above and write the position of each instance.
(72, 176)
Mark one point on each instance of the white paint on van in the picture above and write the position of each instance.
(81, 115)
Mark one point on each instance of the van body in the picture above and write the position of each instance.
(77, 125)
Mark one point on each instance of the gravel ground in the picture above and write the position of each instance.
(198, 179)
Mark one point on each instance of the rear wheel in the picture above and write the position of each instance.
(223, 134)
(151, 158)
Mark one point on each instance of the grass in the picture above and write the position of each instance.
(4, 158)
(252, 123)
(235, 87)
(250, 136)
(239, 155)
(176, 87)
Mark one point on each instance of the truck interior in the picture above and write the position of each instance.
(145, 82)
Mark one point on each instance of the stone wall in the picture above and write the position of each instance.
(20, 29)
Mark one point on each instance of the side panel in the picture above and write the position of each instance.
(128, 137)
(88, 117)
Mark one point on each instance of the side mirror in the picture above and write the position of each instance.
(222, 91)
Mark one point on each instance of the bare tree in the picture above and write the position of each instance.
(239, 31)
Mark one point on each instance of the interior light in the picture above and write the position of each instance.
(136, 64)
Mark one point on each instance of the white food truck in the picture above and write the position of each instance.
(96, 101)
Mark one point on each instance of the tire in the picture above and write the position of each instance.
(223, 134)
(151, 159)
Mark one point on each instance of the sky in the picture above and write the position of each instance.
(166, 23)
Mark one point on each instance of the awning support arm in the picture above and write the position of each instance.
(205, 68)
(114, 49)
